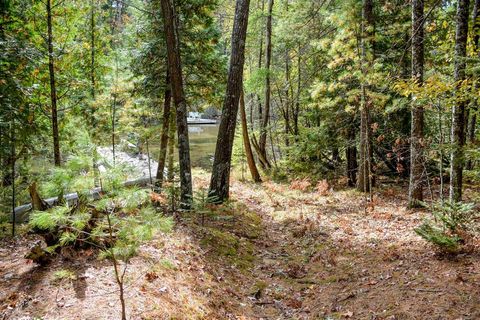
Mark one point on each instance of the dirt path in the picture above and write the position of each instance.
(324, 257)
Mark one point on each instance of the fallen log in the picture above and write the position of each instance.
(23, 212)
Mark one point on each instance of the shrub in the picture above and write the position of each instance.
(450, 228)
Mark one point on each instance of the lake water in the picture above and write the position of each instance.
(203, 139)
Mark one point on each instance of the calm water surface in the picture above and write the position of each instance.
(203, 139)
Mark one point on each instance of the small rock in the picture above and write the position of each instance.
(8, 276)
(163, 289)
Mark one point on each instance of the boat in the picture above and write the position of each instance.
(196, 118)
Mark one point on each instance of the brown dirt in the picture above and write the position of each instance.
(281, 254)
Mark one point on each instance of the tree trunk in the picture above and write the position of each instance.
(37, 202)
(219, 183)
(53, 89)
(296, 111)
(7, 161)
(365, 177)
(92, 49)
(365, 167)
(351, 156)
(458, 109)
(165, 130)
(415, 190)
(175, 69)
(171, 147)
(476, 46)
(246, 142)
(260, 59)
(288, 91)
(268, 56)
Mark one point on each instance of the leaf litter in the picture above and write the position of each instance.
(297, 251)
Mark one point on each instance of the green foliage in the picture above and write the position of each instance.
(452, 221)
(63, 274)
(117, 224)
(74, 176)
(67, 238)
(126, 199)
(113, 178)
(134, 230)
(203, 61)
(49, 220)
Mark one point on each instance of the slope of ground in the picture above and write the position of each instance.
(273, 253)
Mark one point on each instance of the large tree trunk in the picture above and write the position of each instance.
(268, 57)
(415, 190)
(365, 175)
(476, 46)
(175, 69)
(260, 59)
(219, 183)
(458, 110)
(246, 142)
(92, 49)
(167, 100)
(53, 89)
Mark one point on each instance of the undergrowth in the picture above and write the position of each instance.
(451, 227)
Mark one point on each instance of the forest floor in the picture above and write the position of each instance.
(273, 253)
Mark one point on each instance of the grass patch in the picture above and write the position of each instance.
(63, 274)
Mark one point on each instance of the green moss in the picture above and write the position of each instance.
(330, 279)
(245, 257)
(224, 243)
(167, 264)
(258, 287)
(63, 274)
(249, 224)
(238, 251)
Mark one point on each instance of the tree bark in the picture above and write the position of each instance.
(260, 59)
(288, 91)
(268, 56)
(171, 147)
(219, 183)
(365, 176)
(476, 48)
(246, 142)
(458, 111)
(37, 202)
(415, 190)
(167, 100)
(296, 110)
(53, 89)
(351, 155)
(92, 49)
(175, 69)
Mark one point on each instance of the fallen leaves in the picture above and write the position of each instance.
(323, 187)
(293, 303)
(151, 276)
(158, 199)
(300, 184)
(320, 255)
